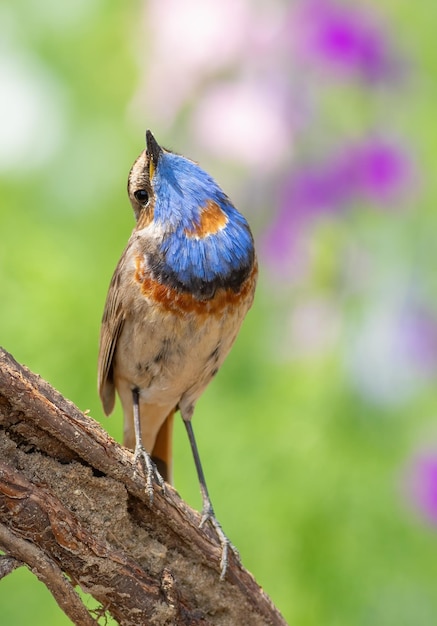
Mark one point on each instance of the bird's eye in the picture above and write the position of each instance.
(142, 196)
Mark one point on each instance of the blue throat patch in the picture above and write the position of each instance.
(207, 243)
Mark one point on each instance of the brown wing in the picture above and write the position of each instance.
(112, 325)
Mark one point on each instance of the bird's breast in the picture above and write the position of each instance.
(169, 298)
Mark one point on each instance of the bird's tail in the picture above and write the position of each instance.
(162, 453)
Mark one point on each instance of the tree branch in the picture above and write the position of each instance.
(72, 506)
(48, 573)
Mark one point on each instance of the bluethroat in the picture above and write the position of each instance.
(175, 304)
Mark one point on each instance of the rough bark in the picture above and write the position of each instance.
(73, 510)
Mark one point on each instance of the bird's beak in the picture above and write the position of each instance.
(154, 151)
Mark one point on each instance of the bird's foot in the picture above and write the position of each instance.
(226, 545)
(141, 456)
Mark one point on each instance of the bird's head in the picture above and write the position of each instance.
(202, 237)
(174, 191)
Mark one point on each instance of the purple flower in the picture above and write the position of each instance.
(373, 171)
(419, 329)
(393, 353)
(342, 38)
(379, 170)
(421, 485)
(305, 194)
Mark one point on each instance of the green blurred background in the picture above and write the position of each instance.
(313, 434)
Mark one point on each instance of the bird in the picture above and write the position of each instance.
(174, 307)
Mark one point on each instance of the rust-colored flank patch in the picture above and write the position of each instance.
(212, 219)
(180, 303)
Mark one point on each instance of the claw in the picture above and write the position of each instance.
(226, 545)
(141, 456)
(207, 510)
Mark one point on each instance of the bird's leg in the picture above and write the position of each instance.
(141, 453)
(207, 508)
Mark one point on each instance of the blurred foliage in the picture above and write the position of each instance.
(309, 430)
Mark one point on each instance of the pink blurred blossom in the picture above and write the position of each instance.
(189, 45)
(313, 328)
(185, 42)
(246, 122)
